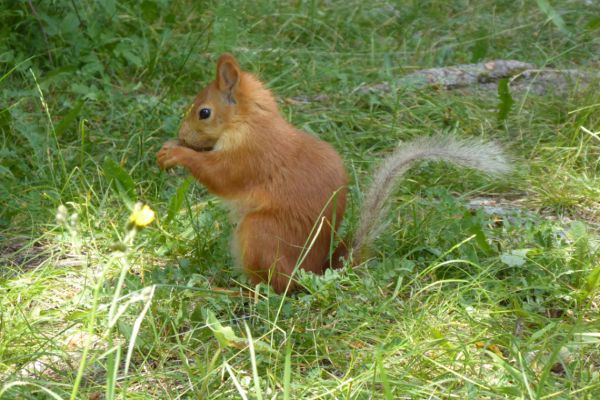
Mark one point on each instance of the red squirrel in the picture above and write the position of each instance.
(288, 188)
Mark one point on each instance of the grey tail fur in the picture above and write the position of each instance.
(486, 157)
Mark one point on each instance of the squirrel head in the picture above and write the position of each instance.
(222, 114)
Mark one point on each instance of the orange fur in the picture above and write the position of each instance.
(280, 180)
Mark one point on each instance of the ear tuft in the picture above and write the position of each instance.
(228, 75)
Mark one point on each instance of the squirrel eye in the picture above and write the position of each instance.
(204, 113)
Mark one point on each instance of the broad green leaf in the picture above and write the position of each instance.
(481, 239)
(553, 15)
(506, 100)
(177, 200)
(150, 10)
(133, 58)
(51, 75)
(224, 334)
(69, 23)
(68, 119)
(121, 180)
(515, 258)
(592, 282)
(480, 48)
(594, 23)
(227, 337)
(5, 121)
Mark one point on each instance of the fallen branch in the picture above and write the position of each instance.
(485, 76)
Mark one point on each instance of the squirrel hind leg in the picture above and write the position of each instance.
(277, 272)
(264, 257)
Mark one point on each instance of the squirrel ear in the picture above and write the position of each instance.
(228, 76)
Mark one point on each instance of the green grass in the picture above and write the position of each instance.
(454, 302)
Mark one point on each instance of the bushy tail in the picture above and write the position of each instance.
(483, 156)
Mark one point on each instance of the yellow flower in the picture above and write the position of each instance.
(141, 216)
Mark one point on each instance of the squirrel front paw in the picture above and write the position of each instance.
(169, 155)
